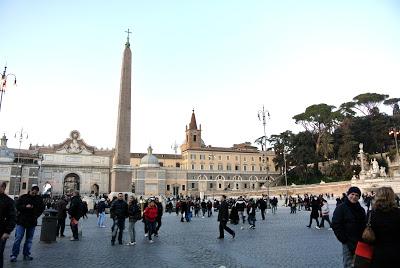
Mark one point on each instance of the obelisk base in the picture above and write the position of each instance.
(121, 178)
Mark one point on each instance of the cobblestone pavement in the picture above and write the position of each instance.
(282, 240)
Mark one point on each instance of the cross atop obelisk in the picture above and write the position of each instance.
(121, 172)
(127, 39)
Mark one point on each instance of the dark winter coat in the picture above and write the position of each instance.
(223, 213)
(101, 207)
(134, 212)
(61, 209)
(7, 214)
(76, 208)
(27, 217)
(315, 208)
(119, 209)
(160, 210)
(386, 225)
(348, 223)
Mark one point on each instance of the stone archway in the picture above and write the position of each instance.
(71, 183)
(95, 189)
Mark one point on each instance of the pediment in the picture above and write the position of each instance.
(74, 145)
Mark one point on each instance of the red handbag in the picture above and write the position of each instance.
(363, 255)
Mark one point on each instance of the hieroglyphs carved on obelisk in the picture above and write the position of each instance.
(121, 172)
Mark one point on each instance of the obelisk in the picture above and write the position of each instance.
(121, 172)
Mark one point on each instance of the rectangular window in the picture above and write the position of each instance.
(211, 185)
(252, 168)
(227, 157)
(161, 164)
(192, 185)
(192, 166)
(194, 137)
(219, 185)
(23, 185)
(252, 158)
(228, 167)
(211, 167)
(201, 167)
(178, 165)
(236, 167)
(219, 157)
(244, 168)
(244, 159)
(236, 158)
(245, 185)
(192, 156)
(183, 187)
(220, 167)
(168, 187)
(210, 177)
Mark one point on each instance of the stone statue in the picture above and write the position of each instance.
(375, 166)
(382, 172)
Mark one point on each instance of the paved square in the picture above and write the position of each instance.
(281, 241)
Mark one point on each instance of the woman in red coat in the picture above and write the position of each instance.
(150, 215)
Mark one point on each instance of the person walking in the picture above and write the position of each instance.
(7, 219)
(325, 214)
(262, 204)
(240, 206)
(348, 224)
(134, 214)
(209, 208)
(385, 222)
(203, 207)
(315, 211)
(223, 217)
(150, 216)
(251, 211)
(159, 216)
(75, 212)
(61, 216)
(119, 212)
(101, 211)
(29, 207)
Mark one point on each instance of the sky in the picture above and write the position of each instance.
(224, 59)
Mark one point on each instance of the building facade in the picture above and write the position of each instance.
(200, 170)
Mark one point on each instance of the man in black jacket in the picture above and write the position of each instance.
(7, 218)
(75, 213)
(223, 217)
(348, 223)
(119, 212)
(29, 206)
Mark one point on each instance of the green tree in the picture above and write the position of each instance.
(367, 103)
(320, 120)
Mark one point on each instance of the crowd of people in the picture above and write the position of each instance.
(348, 223)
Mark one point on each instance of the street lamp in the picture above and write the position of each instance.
(262, 116)
(284, 160)
(3, 83)
(395, 131)
(21, 136)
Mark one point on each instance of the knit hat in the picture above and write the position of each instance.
(354, 189)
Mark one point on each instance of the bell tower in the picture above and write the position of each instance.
(193, 135)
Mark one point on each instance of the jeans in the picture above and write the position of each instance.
(19, 234)
(241, 215)
(151, 227)
(120, 225)
(325, 218)
(131, 231)
(2, 246)
(204, 211)
(60, 226)
(222, 227)
(347, 257)
(252, 220)
(316, 219)
(101, 219)
(209, 212)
